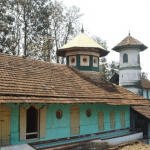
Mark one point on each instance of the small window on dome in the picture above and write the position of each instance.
(72, 60)
(95, 61)
(125, 58)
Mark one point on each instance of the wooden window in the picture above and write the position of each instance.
(32, 122)
(101, 121)
(125, 58)
(112, 120)
(74, 120)
(122, 118)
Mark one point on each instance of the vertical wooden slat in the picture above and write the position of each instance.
(112, 120)
(100, 121)
(122, 119)
(22, 124)
(43, 122)
(75, 120)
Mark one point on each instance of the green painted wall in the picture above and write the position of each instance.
(59, 128)
(85, 68)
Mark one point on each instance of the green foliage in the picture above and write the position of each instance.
(108, 69)
(144, 75)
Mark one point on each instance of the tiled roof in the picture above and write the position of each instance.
(31, 81)
(145, 83)
(84, 43)
(144, 110)
(129, 41)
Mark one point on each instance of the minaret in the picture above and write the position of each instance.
(83, 53)
(130, 68)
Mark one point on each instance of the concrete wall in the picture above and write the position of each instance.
(132, 57)
(59, 128)
(130, 72)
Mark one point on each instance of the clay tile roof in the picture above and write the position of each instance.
(129, 41)
(31, 81)
(144, 110)
(145, 83)
(82, 42)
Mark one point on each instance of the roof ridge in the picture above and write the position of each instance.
(79, 38)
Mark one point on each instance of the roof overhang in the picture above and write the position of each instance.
(142, 47)
(62, 52)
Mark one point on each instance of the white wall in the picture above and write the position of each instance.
(132, 57)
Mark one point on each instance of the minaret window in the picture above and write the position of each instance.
(138, 58)
(84, 61)
(125, 58)
(95, 61)
(72, 60)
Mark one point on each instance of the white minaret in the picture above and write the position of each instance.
(130, 69)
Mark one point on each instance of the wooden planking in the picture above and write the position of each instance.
(101, 121)
(22, 124)
(4, 125)
(74, 120)
(122, 118)
(112, 120)
(43, 122)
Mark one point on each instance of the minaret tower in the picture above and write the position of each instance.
(83, 53)
(130, 69)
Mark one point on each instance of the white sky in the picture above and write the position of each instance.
(112, 19)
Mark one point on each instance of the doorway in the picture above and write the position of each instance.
(32, 123)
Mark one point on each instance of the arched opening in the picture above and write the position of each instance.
(101, 121)
(125, 58)
(122, 118)
(112, 120)
(32, 123)
(74, 120)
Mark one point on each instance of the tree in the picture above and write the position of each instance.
(144, 75)
(7, 33)
(65, 23)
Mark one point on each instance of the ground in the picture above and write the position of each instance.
(139, 146)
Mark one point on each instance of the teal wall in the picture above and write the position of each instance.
(85, 68)
(59, 128)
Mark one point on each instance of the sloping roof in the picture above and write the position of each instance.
(145, 83)
(82, 42)
(144, 110)
(129, 41)
(31, 81)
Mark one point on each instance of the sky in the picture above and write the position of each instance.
(112, 19)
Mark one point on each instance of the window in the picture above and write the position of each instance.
(125, 58)
(112, 120)
(101, 121)
(138, 58)
(122, 118)
(88, 113)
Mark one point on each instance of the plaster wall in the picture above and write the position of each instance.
(60, 128)
(134, 90)
(129, 76)
(146, 93)
(132, 57)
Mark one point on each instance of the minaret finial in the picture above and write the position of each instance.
(129, 32)
(82, 30)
